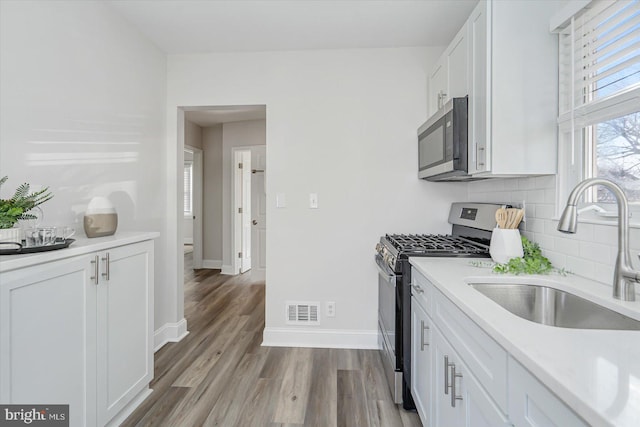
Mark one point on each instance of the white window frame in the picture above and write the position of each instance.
(572, 154)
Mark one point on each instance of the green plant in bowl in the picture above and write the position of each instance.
(19, 206)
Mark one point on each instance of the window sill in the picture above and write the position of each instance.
(613, 222)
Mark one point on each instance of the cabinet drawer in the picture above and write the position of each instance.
(422, 291)
(486, 359)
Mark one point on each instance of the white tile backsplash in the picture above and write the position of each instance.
(589, 253)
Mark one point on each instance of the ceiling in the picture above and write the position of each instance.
(211, 116)
(199, 26)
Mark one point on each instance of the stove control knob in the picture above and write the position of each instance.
(378, 247)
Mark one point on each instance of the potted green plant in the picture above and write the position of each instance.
(19, 207)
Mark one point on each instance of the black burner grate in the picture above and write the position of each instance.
(433, 243)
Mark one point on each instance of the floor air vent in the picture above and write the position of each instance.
(303, 313)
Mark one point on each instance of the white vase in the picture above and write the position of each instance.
(10, 235)
(505, 244)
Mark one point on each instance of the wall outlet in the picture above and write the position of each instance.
(330, 309)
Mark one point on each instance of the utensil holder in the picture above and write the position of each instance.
(505, 244)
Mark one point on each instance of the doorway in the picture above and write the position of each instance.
(220, 132)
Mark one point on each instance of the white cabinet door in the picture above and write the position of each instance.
(459, 398)
(479, 102)
(438, 85)
(47, 337)
(457, 65)
(445, 411)
(125, 357)
(532, 404)
(421, 361)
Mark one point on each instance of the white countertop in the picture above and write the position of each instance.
(81, 246)
(595, 372)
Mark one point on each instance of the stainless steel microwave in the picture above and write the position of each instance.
(443, 143)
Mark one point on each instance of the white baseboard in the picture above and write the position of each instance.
(321, 338)
(212, 263)
(131, 406)
(228, 269)
(169, 332)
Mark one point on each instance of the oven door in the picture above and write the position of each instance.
(389, 335)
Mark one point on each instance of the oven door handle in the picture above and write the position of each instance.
(384, 270)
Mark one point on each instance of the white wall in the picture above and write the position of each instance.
(236, 134)
(590, 253)
(192, 134)
(82, 99)
(340, 123)
(212, 222)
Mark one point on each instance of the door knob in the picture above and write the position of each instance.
(254, 222)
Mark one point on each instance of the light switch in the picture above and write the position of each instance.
(281, 200)
(313, 200)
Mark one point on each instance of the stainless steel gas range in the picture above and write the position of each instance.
(472, 224)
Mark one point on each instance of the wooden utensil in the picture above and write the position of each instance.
(514, 216)
(501, 217)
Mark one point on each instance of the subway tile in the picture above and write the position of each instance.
(535, 225)
(567, 246)
(518, 196)
(548, 181)
(511, 184)
(535, 196)
(546, 242)
(544, 211)
(558, 259)
(550, 195)
(530, 211)
(605, 234)
(595, 251)
(526, 183)
(581, 267)
(487, 185)
(603, 273)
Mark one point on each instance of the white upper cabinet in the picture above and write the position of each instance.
(449, 77)
(438, 85)
(513, 88)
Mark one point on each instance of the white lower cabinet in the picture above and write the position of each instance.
(421, 350)
(458, 397)
(460, 377)
(68, 336)
(125, 328)
(532, 404)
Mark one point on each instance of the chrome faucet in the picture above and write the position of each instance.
(624, 276)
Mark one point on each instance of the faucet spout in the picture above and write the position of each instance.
(624, 275)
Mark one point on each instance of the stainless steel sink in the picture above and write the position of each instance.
(550, 306)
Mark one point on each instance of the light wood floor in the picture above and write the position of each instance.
(219, 375)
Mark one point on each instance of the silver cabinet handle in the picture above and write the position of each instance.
(446, 375)
(418, 289)
(106, 266)
(96, 268)
(454, 375)
(422, 343)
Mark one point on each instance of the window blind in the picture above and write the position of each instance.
(188, 200)
(599, 60)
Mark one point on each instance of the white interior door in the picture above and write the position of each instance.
(259, 213)
(197, 206)
(245, 214)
